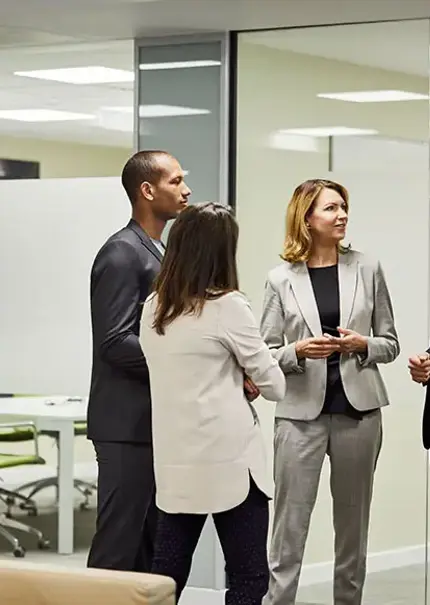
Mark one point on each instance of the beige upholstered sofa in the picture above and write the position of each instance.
(23, 583)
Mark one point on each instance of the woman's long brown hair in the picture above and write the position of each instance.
(199, 263)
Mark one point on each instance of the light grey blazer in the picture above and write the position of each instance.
(290, 314)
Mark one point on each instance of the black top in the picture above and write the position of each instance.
(119, 407)
(426, 416)
(325, 283)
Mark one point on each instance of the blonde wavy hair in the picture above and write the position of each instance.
(298, 240)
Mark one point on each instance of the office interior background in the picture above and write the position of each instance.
(253, 97)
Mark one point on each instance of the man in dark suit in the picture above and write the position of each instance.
(419, 368)
(119, 410)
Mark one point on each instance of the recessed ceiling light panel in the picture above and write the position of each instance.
(330, 131)
(161, 111)
(92, 74)
(177, 65)
(373, 96)
(42, 115)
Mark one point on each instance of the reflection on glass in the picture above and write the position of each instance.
(67, 111)
(180, 104)
(179, 109)
(349, 103)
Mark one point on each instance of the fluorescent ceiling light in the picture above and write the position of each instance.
(42, 115)
(177, 65)
(373, 96)
(93, 74)
(161, 111)
(329, 131)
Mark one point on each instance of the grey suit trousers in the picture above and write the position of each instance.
(300, 448)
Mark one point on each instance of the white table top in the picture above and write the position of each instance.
(56, 407)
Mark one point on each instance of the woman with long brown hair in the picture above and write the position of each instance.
(200, 340)
(329, 322)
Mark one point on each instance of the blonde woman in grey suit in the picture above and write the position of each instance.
(329, 322)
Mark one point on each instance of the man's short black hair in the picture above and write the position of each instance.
(142, 166)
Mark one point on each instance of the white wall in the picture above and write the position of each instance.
(66, 160)
(378, 155)
(389, 219)
(50, 231)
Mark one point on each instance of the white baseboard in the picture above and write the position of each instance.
(319, 573)
(202, 596)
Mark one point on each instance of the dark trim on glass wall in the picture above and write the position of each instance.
(224, 131)
(330, 154)
(232, 123)
(317, 25)
(225, 102)
(136, 99)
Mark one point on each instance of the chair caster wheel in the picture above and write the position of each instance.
(30, 508)
(44, 545)
(19, 552)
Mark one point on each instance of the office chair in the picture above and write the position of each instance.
(27, 503)
(85, 488)
(9, 496)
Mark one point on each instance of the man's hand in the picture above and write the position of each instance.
(419, 368)
(316, 348)
(349, 341)
(251, 390)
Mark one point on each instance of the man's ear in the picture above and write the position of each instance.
(146, 191)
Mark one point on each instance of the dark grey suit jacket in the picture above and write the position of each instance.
(122, 277)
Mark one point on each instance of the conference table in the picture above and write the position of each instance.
(57, 414)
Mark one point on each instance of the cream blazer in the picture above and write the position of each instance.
(206, 436)
(290, 314)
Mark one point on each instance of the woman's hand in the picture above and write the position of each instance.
(250, 388)
(349, 341)
(316, 348)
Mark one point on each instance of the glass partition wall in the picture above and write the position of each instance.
(181, 105)
(350, 103)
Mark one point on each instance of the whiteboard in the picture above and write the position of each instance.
(50, 232)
